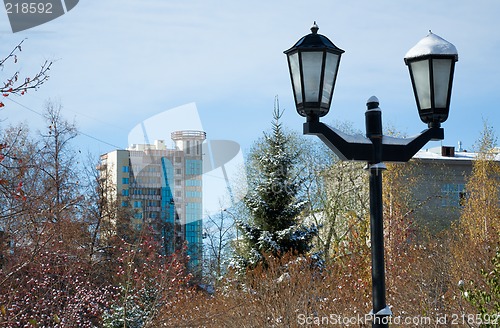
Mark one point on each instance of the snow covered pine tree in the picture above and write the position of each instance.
(274, 200)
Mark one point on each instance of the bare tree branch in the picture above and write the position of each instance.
(14, 84)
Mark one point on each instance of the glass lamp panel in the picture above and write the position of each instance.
(293, 60)
(441, 75)
(332, 61)
(420, 70)
(311, 68)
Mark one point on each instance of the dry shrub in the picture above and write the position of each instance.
(276, 295)
(418, 281)
(289, 289)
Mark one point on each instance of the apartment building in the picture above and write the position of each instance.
(163, 188)
(440, 188)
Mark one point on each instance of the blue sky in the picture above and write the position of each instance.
(120, 62)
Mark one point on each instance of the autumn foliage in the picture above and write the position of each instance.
(52, 288)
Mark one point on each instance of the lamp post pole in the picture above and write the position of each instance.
(380, 309)
(313, 63)
(373, 118)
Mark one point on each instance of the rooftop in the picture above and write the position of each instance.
(449, 153)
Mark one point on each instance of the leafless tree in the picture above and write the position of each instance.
(219, 235)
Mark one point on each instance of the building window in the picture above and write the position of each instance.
(193, 183)
(193, 167)
(125, 169)
(137, 204)
(197, 147)
(125, 180)
(124, 203)
(193, 194)
(453, 194)
(125, 192)
(193, 212)
(178, 171)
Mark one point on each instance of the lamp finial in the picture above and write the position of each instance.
(314, 28)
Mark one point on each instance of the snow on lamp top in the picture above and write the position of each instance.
(432, 44)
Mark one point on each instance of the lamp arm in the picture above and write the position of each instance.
(346, 147)
(403, 149)
(360, 148)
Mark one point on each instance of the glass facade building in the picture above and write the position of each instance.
(164, 188)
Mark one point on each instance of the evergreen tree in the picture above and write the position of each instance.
(274, 201)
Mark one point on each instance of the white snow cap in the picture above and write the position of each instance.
(372, 99)
(432, 45)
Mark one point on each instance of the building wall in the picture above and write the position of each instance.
(440, 189)
(188, 190)
(113, 163)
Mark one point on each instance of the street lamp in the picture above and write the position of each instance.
(313, 63)
(431, 63)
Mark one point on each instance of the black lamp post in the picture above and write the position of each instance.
(313, 63)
